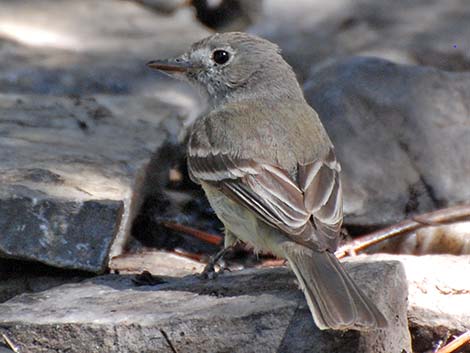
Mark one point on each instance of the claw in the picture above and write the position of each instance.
(209, 271)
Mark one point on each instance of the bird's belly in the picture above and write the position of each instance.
(244, 224)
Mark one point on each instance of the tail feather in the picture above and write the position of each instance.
(333, 298)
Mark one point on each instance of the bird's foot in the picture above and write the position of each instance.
(209, 271)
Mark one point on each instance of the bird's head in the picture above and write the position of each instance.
(232, 66)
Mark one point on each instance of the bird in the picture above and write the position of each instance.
(269, 170)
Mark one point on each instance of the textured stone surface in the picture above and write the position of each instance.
(401, 132)
(102, 47)
(439, 296)
(25, 282)
(428, 32)
(85, 47)
(247, 311)
(67, 167)
(68, 234)
(18, 277)
(158, 263)
(439, 292)
(450, 239)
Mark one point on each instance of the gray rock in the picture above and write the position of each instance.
(419, 32)
(68, 165)
(65, 233)
(246, 311)
(401, 132)
(222, 16)
(227, 15)
(67, 169)
(24, 283)
(438, 296)
(450, 239)
(4, 349)
(18, 277)
(86, 47)
(163, 6)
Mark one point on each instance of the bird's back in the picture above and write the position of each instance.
(283, 133)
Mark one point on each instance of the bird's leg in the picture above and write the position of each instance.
(209, 270)
(229, 242)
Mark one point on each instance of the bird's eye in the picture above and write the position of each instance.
(220, 56)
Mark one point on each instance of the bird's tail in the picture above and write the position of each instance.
(333, 298)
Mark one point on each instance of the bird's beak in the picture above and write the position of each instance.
(171, 65)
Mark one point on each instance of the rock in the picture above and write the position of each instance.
(437, 290)
(246, 311)
(395, 339)
(228, 15)
(402, 135)
(158, 263)
(90, 47)
(163, 6)
(223, 15)
(451, 239)
(67, 169)
(68, 165)
(419, 32)
(4, 348)
(70, 234)
(18, 277)
(439, 296)
(25, 283)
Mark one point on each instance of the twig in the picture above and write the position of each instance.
(204, 236)
(456, 343)
(167, 339)
(10, 344)
(191, 256)
(435, 218)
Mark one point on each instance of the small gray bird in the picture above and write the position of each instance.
(269, 169)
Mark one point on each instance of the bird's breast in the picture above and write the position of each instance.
(244, 224)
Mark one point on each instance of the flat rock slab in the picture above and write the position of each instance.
(401, 133)
(67, 168)
(439, 290)
(246, 311)
(438, 299)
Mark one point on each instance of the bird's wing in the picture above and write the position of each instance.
(268, 190)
